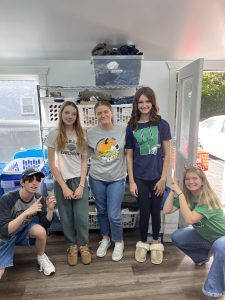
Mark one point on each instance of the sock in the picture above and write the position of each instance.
(40, 256)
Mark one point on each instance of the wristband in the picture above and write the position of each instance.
(81, 185)
(179, 194)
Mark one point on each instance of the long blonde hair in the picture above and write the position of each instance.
(207, 195)
(61, 138)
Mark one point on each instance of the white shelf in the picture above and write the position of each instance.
(95, 88)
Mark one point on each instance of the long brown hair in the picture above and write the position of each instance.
(61, 138)
(207, 195)
(154, 117)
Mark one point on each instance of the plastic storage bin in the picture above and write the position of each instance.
(51, 109)
(10, 182)
(129, 219)
(87, 115)
(121, 113)
(117, 69)
(11, 174)
(2, 165)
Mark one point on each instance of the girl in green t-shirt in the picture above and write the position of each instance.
(200, 208)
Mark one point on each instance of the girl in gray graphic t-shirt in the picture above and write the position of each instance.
(107, 176)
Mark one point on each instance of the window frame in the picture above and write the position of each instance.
(23, 112)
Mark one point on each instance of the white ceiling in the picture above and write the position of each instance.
(69, 29)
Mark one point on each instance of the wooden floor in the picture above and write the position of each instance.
(176, 278)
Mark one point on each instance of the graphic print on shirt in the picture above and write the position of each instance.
(70, 148)
(18, 209)
(147, 139)
(199, 224)
(108, 149)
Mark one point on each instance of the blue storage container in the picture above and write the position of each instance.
(11, 174)
(2, 165)
(117, 69)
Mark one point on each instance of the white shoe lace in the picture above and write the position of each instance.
(103, 244)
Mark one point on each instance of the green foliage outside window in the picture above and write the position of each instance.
(213, 94)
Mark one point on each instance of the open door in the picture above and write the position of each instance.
(188, 112)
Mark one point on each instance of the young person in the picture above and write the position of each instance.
(67, 156)
(148, 159)
(200, 208)
(107, 177)
(23, 221)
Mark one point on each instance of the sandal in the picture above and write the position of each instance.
(156, 253)
(141, 251)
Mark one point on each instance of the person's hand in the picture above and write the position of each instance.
(175, 185)
(34, 208)
(50, 202)
(78, 194)
(159, 188)
(133, 189)
(68, 193)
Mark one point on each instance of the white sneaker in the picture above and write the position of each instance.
(118, 251)
(46, 266)
(102, 249)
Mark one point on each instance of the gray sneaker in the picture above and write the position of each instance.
(46, 266)
(103, 247)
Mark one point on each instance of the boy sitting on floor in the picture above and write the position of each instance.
(23, 221)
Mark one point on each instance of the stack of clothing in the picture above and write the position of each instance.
(91, 97)
(103, 49)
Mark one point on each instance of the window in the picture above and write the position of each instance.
(27, 105)
(209, 123)
(19, 117)
(18, 100)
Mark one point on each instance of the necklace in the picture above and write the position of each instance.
(70, 132)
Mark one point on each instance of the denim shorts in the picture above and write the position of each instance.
(7, 247)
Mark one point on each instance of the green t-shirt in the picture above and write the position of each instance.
(212, 225)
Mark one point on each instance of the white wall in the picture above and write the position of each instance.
(81, 73)
(156, 75)
(75, 73)
(72, 73)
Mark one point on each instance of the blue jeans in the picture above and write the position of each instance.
(21, 238)
(197, 248)
(108, 198)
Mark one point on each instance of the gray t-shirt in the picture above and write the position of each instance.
(68, 160)
(11, 206)
(107, 153)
